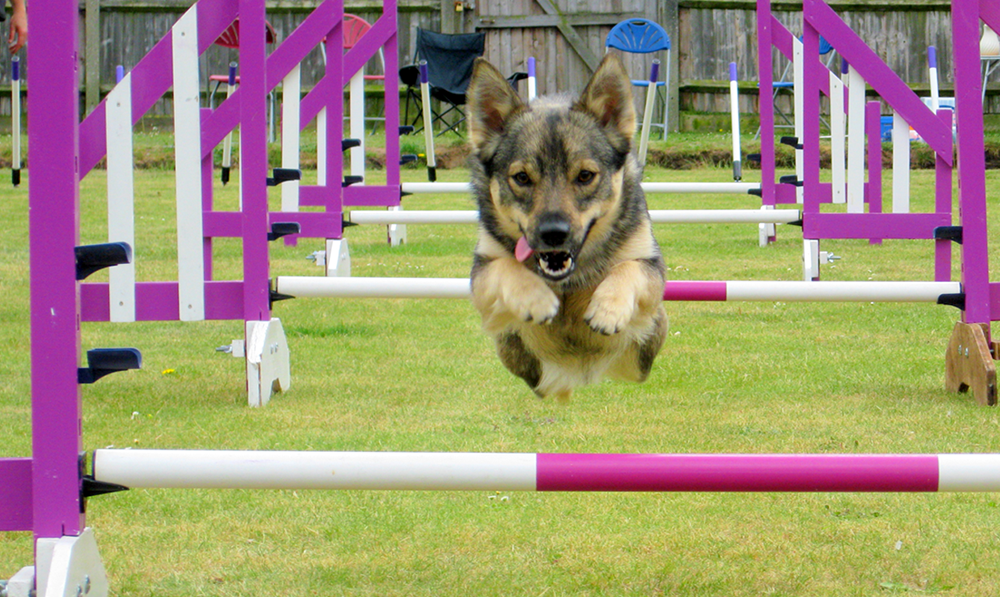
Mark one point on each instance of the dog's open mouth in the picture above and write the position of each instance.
(555, 265)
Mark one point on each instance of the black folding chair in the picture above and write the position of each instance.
(449, 60)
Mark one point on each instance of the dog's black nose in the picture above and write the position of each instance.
(554, 231)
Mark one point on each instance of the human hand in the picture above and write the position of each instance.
(18, 27)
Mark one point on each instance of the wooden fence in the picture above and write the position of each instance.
(565, 36)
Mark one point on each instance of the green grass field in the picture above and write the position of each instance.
(419, 375)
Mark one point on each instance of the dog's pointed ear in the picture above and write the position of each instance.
(491, 101)
(608, 97)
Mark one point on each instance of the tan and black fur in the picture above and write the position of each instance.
(566, 274)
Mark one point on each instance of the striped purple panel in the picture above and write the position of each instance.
(737, 472)
(15, 494)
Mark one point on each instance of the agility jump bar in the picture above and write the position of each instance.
(744, 188)
(658, 216)
(886, 292)
(209, 469)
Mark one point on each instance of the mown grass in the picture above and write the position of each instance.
(419, 375)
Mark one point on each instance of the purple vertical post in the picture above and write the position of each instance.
(971, 160)
(119, 73)
(207, 204)
(391, 53)
(53, 151)
(253, 159)
(765, 102)
(335, 112)
(873, 126)
(942, 204)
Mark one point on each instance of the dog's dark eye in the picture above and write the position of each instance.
(522, 178)
(585, 177)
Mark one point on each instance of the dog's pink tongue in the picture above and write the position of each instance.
(522, 251)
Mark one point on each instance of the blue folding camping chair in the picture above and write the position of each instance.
(642, 36)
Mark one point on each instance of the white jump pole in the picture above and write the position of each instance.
(227, 143)
(425, 100)
(532, 79)
(734, 108)
(933, 75)
(15, 123)
(659, 216)
(766, 291)
(736, 188)
(647, 117)
(206, 469)
(353, 287)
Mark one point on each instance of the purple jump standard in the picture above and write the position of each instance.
(207, 469)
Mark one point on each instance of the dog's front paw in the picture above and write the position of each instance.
(533, 302)
(609, 313)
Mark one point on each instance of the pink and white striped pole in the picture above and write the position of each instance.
(889, 292)
(680, 290)
(207, 469)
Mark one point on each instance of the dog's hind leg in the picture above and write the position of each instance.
(523, 363)
(518, 359)
(637, 360)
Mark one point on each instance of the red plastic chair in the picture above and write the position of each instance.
(354, 28)
(230, 38)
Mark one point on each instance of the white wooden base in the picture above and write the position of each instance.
(267, 361)
(338, 258)
(397, 231)
(70, 566)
